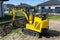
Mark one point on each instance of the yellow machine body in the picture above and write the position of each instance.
(34, 25)
(38, 25)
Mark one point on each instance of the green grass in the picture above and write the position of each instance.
(15, 31)
(8, 18)
(5, 18)
(17, 14)
(54, 17)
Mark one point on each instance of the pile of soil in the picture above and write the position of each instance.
(5, 29)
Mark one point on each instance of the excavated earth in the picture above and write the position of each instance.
(54, 33)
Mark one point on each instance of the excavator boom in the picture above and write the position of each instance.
(21, 10)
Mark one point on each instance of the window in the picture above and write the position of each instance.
(57, 9)
(43, 8)
(49, 7)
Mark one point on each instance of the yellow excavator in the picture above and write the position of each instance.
(37, 22)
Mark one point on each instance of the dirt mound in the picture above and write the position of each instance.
(5, 29)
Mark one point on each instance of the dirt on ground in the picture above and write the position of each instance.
(54, 33)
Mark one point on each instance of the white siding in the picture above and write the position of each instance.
(46, 7)
(52, 7)
(39, 7)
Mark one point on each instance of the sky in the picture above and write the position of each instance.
(30, 2)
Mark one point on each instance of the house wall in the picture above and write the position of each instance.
(1, 11)
(6, 9)
(52, 8)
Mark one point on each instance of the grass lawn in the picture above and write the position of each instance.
(54, 17)
(8, 18)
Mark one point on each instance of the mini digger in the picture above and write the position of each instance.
(37, 23)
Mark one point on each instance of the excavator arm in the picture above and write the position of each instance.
(21, 10)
